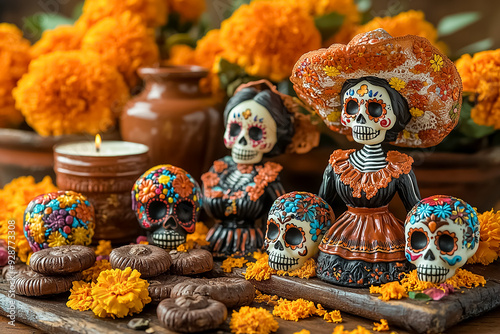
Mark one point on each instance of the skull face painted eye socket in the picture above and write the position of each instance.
(374, 109)
(185, 211)
(293, 236)
(234, 129)
(255, 133)
(351, 107)
(446, 242)
(156, 211)
(418, 240)
(273, 231)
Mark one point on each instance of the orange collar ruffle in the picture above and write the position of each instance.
(370, 182)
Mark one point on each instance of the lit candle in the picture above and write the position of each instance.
(105, 172)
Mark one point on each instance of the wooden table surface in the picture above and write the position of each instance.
(489, 323)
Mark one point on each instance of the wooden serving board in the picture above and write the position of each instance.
(52, 315)
(411, 315)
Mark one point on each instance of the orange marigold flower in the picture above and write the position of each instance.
(91, 274)
(411, 22)
(392, 290)
(62, 38)
(382, 326)
(359, 330)
(333, 316)
(183, 185)
(81, 297)
(208, 48)
(489, 241)
(103, 248)
(14, 198)
(267, 38)
(294, 309)
(480, 74)
(188, 10)
(231, 262)
(14, 60)
(124, 42)
(152, 12)
(181, 54)
(75, 93)
(268, 299)
(252, 320)
(119, 293)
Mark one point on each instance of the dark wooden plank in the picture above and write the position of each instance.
(414, 316)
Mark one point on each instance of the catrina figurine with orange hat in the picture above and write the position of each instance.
(376, 89)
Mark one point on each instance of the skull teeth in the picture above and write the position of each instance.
(432, 274)
(364, 132)
(281, 262)
(168, 241)
(243, 154)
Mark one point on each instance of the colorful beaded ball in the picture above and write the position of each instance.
(59, 218)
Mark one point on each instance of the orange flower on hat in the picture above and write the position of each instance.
(62, 38)
(14, 60)
(124, 42)
(481, 79)
(152, 12)
(266, 38)
(67, 92)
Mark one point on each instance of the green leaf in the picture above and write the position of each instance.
(329, 24)
(455, 22)
(418, 295)
(468, 127)
(363, 5)
(52, 21)
(484, 44)
(77, 10)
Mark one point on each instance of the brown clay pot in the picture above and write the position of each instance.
(106, 182)
(180, 124)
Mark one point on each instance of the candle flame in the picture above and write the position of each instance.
(98, 142)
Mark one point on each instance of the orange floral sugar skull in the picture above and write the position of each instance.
(166, 201)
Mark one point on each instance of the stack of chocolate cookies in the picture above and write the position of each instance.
(53, 270)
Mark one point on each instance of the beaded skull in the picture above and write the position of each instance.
(295, 225)
(442, 233)
(166, 201)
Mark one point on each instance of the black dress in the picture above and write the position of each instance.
(237, 195)
(366, 244)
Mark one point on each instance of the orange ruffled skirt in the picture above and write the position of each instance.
(367, 234)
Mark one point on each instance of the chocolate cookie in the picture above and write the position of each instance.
(160, 286)
(147, 259)
(191, 314)
(62, 260)
(230, 291)
(31, 283)
(194, 261)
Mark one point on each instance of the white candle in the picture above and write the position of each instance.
(108, 149)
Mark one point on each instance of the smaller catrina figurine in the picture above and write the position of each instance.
(295, 225)
(376, 89)
(167, 202)
(442, 233)
(239, 189)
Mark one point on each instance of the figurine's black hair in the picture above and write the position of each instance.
(399, 104)
(273, 103)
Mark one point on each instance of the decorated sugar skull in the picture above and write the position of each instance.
(372, 108)
(59, 218)
(295, 226)
(257, 124)
(442, 233)
(166, 201)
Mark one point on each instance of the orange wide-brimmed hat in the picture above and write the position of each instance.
(411, 64)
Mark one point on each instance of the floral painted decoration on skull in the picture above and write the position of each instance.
(442, 233)
(167, 200)
(296, 222)
(57, 219)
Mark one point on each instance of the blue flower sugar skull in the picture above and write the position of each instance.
(442, 233)
(295, 226)
(57, 219)
(166, 201)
